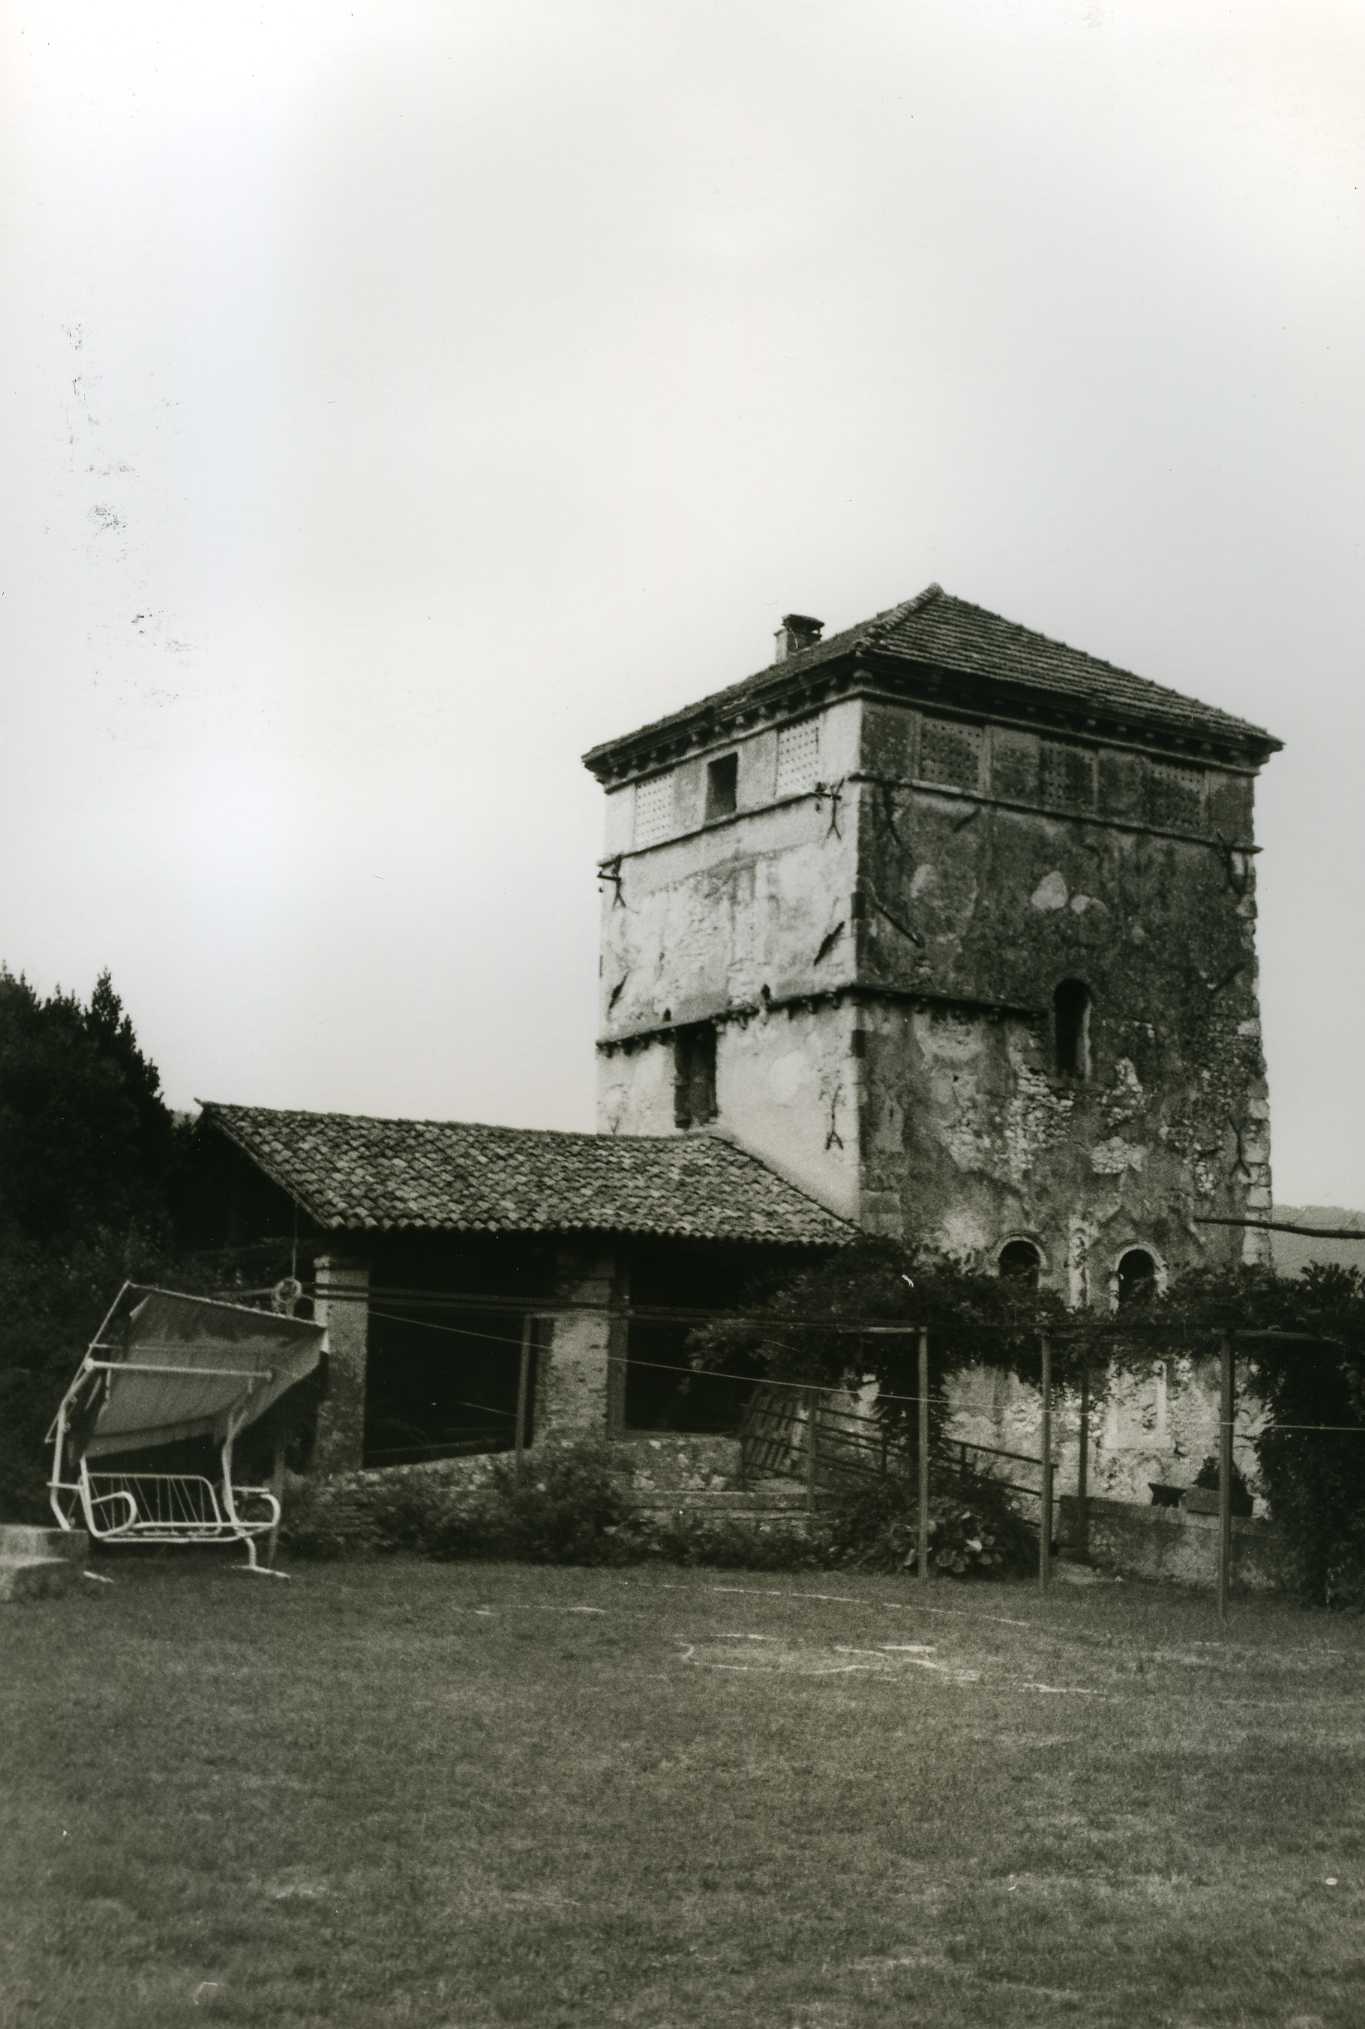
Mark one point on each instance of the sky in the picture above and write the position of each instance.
(399, 398)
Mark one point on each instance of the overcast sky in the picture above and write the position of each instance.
(401, 397)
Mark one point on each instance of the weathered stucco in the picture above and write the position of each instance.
(991, 906)
(1155, 1427)
(787, 1086)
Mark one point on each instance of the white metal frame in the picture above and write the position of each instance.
(157, 1507)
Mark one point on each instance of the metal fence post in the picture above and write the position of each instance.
(1083, 1467)
(1045, 1520)
(812, 1443)
(1225, 1412)
(528, 1327)
(923, 1405)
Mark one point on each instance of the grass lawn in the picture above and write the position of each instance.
(466, 1795)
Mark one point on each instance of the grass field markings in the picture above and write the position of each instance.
(951, 1671)
(1063, 1690)
(784, 1665)
(772, 1592)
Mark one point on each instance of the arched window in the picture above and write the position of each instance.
(1019, 1261)
(1135, 1279)
(1071, 1029)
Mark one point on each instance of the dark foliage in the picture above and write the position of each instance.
(568, 1506)
(820, 1325)
(88, 1157)
(974, 1527)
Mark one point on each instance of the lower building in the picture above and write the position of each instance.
(471, 1276)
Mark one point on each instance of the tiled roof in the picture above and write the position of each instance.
(353, 1173)
(935, 631)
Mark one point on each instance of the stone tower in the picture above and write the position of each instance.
(955, 927)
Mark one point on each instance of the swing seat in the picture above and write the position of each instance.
(163, 1368)
(173, 1507)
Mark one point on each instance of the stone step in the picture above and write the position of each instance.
(36, 1577)
(23, 1539)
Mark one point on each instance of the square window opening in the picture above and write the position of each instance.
(694, 1075)
(722, 786)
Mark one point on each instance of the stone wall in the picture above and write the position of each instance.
(581, 1377)
(1172, 1547)
(1159, 1428)
(342, 1306)
(982, 906)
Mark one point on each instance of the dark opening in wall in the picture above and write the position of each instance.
(722, 786)
(1071, 1029)
(1019, 1261)
(694, 1074)
(1135, 1279)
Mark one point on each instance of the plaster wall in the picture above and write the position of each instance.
(710, 917)
(1159, 1427)
(788, 1088)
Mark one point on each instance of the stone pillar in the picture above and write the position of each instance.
(575, 1393)
(342, 1305)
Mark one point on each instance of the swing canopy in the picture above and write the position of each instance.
(164, 1366)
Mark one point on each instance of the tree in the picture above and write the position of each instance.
(87, 1152)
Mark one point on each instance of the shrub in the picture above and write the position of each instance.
(327, 1519)
(974, 1527)
(570, 1505)
(732, 1543)
(421, 1512)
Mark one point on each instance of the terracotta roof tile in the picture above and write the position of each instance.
(354, 1173)
(936, 631)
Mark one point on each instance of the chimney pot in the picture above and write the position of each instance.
(797, 631)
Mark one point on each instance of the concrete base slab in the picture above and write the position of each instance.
(24, 1578)
(24, 1539)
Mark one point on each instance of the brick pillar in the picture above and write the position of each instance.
(342, 1305)
(575, 1394)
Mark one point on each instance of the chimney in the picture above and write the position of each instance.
(797, 631)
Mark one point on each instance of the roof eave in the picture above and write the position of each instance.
(210, 1113)
(789, 686)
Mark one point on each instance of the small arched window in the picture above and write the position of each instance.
(1135, 1279)
(1020, 1262)
(1071, 1029)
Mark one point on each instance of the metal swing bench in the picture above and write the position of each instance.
(162, 1368)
